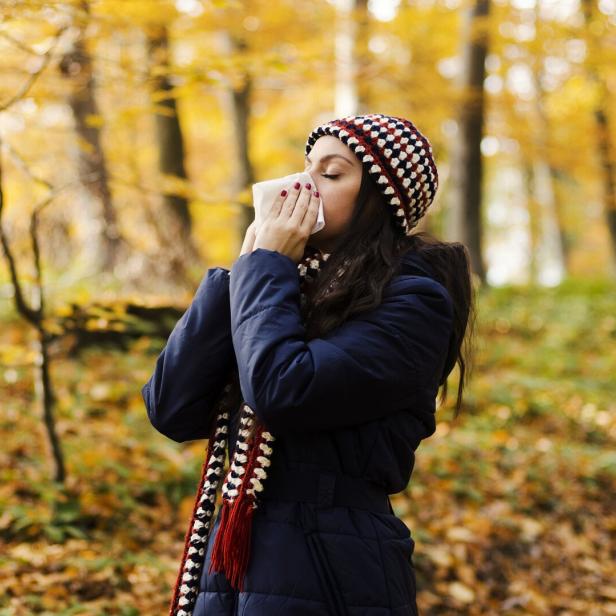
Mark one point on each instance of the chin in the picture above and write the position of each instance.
(322, 243)
(320, 236)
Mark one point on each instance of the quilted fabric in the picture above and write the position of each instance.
(356, 402)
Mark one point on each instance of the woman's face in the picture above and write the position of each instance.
(330, 157)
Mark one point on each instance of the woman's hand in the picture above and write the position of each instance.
(287, 226)
(249, 238)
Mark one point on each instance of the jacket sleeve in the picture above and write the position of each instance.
(375, 363)
(194, 365)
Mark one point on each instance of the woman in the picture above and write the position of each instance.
(317, 359)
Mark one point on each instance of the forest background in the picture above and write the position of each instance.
(131, 132)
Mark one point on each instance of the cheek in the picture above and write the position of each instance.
(338, 202)
(331, 204)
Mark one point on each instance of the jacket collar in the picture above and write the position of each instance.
(412, 263)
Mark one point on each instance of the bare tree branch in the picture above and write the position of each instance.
(46, 59)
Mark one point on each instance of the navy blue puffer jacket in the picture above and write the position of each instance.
(353, 404)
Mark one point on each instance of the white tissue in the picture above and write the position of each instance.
(264, 194)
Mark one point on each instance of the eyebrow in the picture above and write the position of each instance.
(328, 156)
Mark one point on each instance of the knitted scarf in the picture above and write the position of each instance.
(242, 484)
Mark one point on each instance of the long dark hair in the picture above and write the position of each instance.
(364, 259)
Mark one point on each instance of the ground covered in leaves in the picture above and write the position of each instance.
(512, 506)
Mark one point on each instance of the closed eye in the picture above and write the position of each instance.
(331, 177)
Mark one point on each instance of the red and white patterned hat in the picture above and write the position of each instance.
(395, 154)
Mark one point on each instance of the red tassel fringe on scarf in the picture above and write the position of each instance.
(231, 551)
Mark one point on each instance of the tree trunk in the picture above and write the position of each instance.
(564, 241)
(602, 121)
(104, 237)
(362, 57)
(171, 149)
(35, 316)
(239, 103)
(345, 97)
(467, 167)
(534, 221)
(45, 393)
(554, 234)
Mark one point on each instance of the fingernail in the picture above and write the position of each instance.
(308, 186)
(316, 193)
(283, 193)
(297, 185)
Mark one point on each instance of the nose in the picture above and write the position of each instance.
(314, 182)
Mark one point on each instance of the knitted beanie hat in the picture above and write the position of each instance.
(397, 157)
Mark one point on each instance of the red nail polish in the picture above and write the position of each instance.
(308, 186)
(283, 193)
(316, 193)
(297, 185)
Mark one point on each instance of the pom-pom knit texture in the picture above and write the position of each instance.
(397, 157)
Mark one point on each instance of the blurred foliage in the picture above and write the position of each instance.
(409, 69)
(511, 505)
